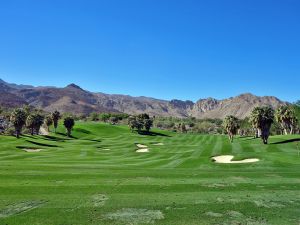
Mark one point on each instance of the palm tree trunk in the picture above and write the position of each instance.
(69, 132)
(18, 133)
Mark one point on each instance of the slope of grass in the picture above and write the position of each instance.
(96, 177)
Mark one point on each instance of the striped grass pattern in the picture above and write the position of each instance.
(97, 177)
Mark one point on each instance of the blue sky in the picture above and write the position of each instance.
(187, 49)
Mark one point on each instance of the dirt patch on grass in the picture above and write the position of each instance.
(99, 200)
(228, 159)
(236, 218)
(219, 185)
(268, 204)
(214, 214)
(135, 216)
(235, 214)
(19, 208)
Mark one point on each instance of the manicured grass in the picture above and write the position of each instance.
(96, 177)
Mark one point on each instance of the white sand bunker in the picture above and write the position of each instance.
(142, 148)
(135, 216)
(32, 150)
(158, 144)
(227, 159)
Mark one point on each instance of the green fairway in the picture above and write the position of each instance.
(97, 177)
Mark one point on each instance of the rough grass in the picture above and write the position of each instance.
(81, 182)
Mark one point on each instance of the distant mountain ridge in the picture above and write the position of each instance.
(73, 98)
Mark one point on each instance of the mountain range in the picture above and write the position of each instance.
(73, 98)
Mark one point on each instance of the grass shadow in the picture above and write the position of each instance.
(26, 147)
(82, 130)
(151, 133)
(52, 138)
(63, 134)
(41, 144)
(286, 141)
(98, 141)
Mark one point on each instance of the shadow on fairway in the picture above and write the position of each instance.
(51, 138)
(150, 133)
(286, 141)
(82, 130)
(41, 144)
(93, 140)
(63, 134)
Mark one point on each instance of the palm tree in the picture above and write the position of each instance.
(231, 125)
(261, 119)
(135, 122)
(18, 119)
(183, 128)
(148, 123)
(286, 117)
(69, 124)
(132, 123)
(30, 123)
(34, 122)
(55, 117)
(255, 119)
(48, 122)
(38, 122)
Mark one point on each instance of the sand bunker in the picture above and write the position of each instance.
(158, 144)
(227, 159)
(141, 146)
(143, 150)
(31, 150)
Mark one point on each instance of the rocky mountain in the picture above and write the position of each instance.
(74, 99)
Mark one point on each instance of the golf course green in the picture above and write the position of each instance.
(98, 177)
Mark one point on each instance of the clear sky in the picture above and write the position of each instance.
(184, 49)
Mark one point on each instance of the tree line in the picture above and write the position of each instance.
(32, 119)
(261, 120)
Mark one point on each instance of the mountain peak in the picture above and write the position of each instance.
(247, 95)
(72, 85)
